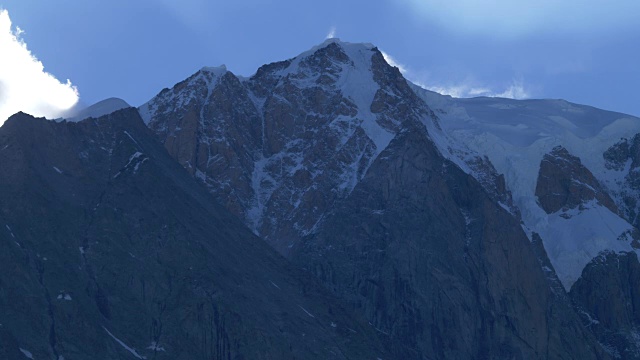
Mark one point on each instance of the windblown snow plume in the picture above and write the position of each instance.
(464, 90)
(516, 90)
(24, 85)
(332, 33)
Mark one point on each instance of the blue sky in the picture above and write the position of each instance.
(583, 51)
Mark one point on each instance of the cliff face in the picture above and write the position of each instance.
(608, 298)
(280, 148)
(341, 165)
(623, 159)
(433, 261)
(109, 249)
(564, 184)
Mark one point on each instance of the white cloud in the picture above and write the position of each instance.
(332, 33)
(510, 18)
(24, 85)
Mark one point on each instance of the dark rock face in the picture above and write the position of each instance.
(210, 126)
(435, 263)
(564, 183)
(608, 298)
(109, 250)
(625, 157)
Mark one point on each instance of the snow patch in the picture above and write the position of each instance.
(156, 347)
(64, 296)
(217, 71)
(26, 353)
(10, 231)
(274, 285)
(132, 139)
(133, 158)
(135, 168)
(135, 155)
(307, 312)
(129, 349)
(574, 237)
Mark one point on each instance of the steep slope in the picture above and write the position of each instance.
(109, 249)
(339, 163)
(280, 148)
(434, 261)
(622, 162)
(517, 134)
(608, 297)
(583, 219)
(564, 184)
(572, 171)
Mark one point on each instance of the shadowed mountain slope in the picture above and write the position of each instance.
(110, 250)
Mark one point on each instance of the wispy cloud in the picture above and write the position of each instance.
(509, 18)
(24, 85)
(194, 14)
(332, 33)
(515, 90)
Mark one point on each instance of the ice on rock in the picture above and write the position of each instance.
(515, 135)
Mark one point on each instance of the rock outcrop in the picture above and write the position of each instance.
(564, 184)
(624, 158)
(280, 148)
(608, 298)
(433, 261)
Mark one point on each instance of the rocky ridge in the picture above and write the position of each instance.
(315, 156)
(623, 160)
(564, 184)
(110, 250)
(280, 148)
(608, 298)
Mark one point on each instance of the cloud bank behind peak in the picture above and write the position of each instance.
(24, 85)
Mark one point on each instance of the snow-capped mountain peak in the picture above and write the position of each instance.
(276, 128)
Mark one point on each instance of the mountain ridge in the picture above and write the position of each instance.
(129, 256)
(458, 228)
(300, 124)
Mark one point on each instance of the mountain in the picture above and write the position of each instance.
(110, 250)
(101, 108)
(419, 210)
(530, 141)
(324, 207)
(573, 173)
(299, 132)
